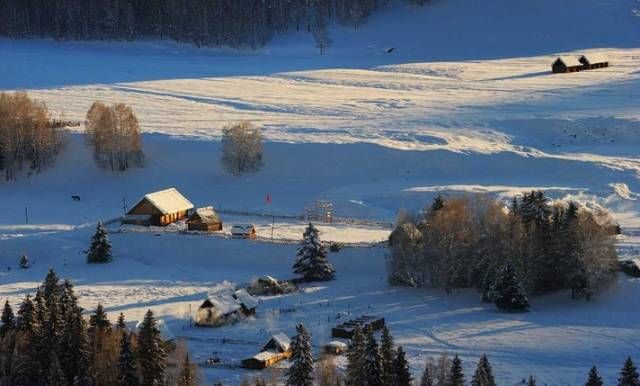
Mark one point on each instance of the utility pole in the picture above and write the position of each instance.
(273, 221)
(124, 205)
(26, 215)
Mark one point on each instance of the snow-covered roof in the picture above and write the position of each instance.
(248, 301)
(569, 61)
(264, 355)
(242, 228)
(594, 58)
(207, 215)
(337, 344)
(226, 304)
(168, 201)
(279, 340)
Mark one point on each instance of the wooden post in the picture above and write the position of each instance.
(26, 215)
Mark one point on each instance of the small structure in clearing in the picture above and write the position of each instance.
(205, 220)
(335, 347)
(277, 348)
(345, 330)
(226, 308)
(321, 211)
(244, 231)
(566, 64)
(159, 208)
(270, 286)
(593, 61)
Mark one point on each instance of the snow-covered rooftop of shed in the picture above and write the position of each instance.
(169, 201)
(208, 215)
(225, 303)
(281, 340)
(264, 355)
(569, 61)
(248, 301)
(596, 57)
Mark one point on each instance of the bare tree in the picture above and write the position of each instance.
(114, 134)
(241, 148)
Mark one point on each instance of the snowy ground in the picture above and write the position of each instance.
(453, 110)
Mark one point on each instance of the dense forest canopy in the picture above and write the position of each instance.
(235, 23)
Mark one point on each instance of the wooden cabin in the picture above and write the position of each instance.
(248, 303)
(244, 231)
(204, 220)
(565, 64)
(278, 348)
(225, 308)
(345, 330)
(593, 61)
(159, 208)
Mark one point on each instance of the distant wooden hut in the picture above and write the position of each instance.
(345, 330)
(204, 220)
(244, 231)
(248, 303)
(226, 308)
(277, 349)
(566, 64)
(159, 208)
(593, 61)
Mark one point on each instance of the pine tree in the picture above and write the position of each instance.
(56, 376)
(73, 345)
(438, 203)
(25, 319)
(401, 372)
(427, 377)
(301, 371)
(312, 261)
(187, 376)
(629, 374)
(355, 375)
(127, 371)
(531, 381)
(8, 320)
(371, 361)
(151, 353)
(594, 378)
(100, 248)
(508, 292)
(456, 377)
(99, 320)
(387, 355)
(484, 374)
(120, 324)
(24, 262)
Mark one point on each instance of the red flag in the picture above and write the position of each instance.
(268, 199)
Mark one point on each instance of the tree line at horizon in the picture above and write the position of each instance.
(233, 23)
(475, 241)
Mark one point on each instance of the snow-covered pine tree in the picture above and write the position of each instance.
(24, 262)
(438, 203)
(355, 354)
(594, 378)
(151, 353)
(427, 377)
(508, 292)
(456, 376)
(484, 374)
(629, 374)
(312, 261)
(301, 371)
(387, 356)
(401, 372)
(371, 361)
(127, 371)
(100, 248)
(8, 319)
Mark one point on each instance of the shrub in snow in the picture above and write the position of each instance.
(100, 249)
(508, 293)
(312, 261)
(24, 262)
(241, 148)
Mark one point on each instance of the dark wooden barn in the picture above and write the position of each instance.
(566, 64)
(593, 61)
(159, 208)
(204, 220)
(345, 330)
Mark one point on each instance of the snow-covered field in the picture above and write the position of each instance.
(465, 103)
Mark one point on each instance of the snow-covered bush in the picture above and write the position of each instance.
(241, 148)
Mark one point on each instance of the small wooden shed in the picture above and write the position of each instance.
(277, 349)
(566, 64)
(593, 61)
(218, 311)
(345, 330)
(205, 220)
(159, 208)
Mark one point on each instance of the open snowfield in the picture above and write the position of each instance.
(465, 103)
